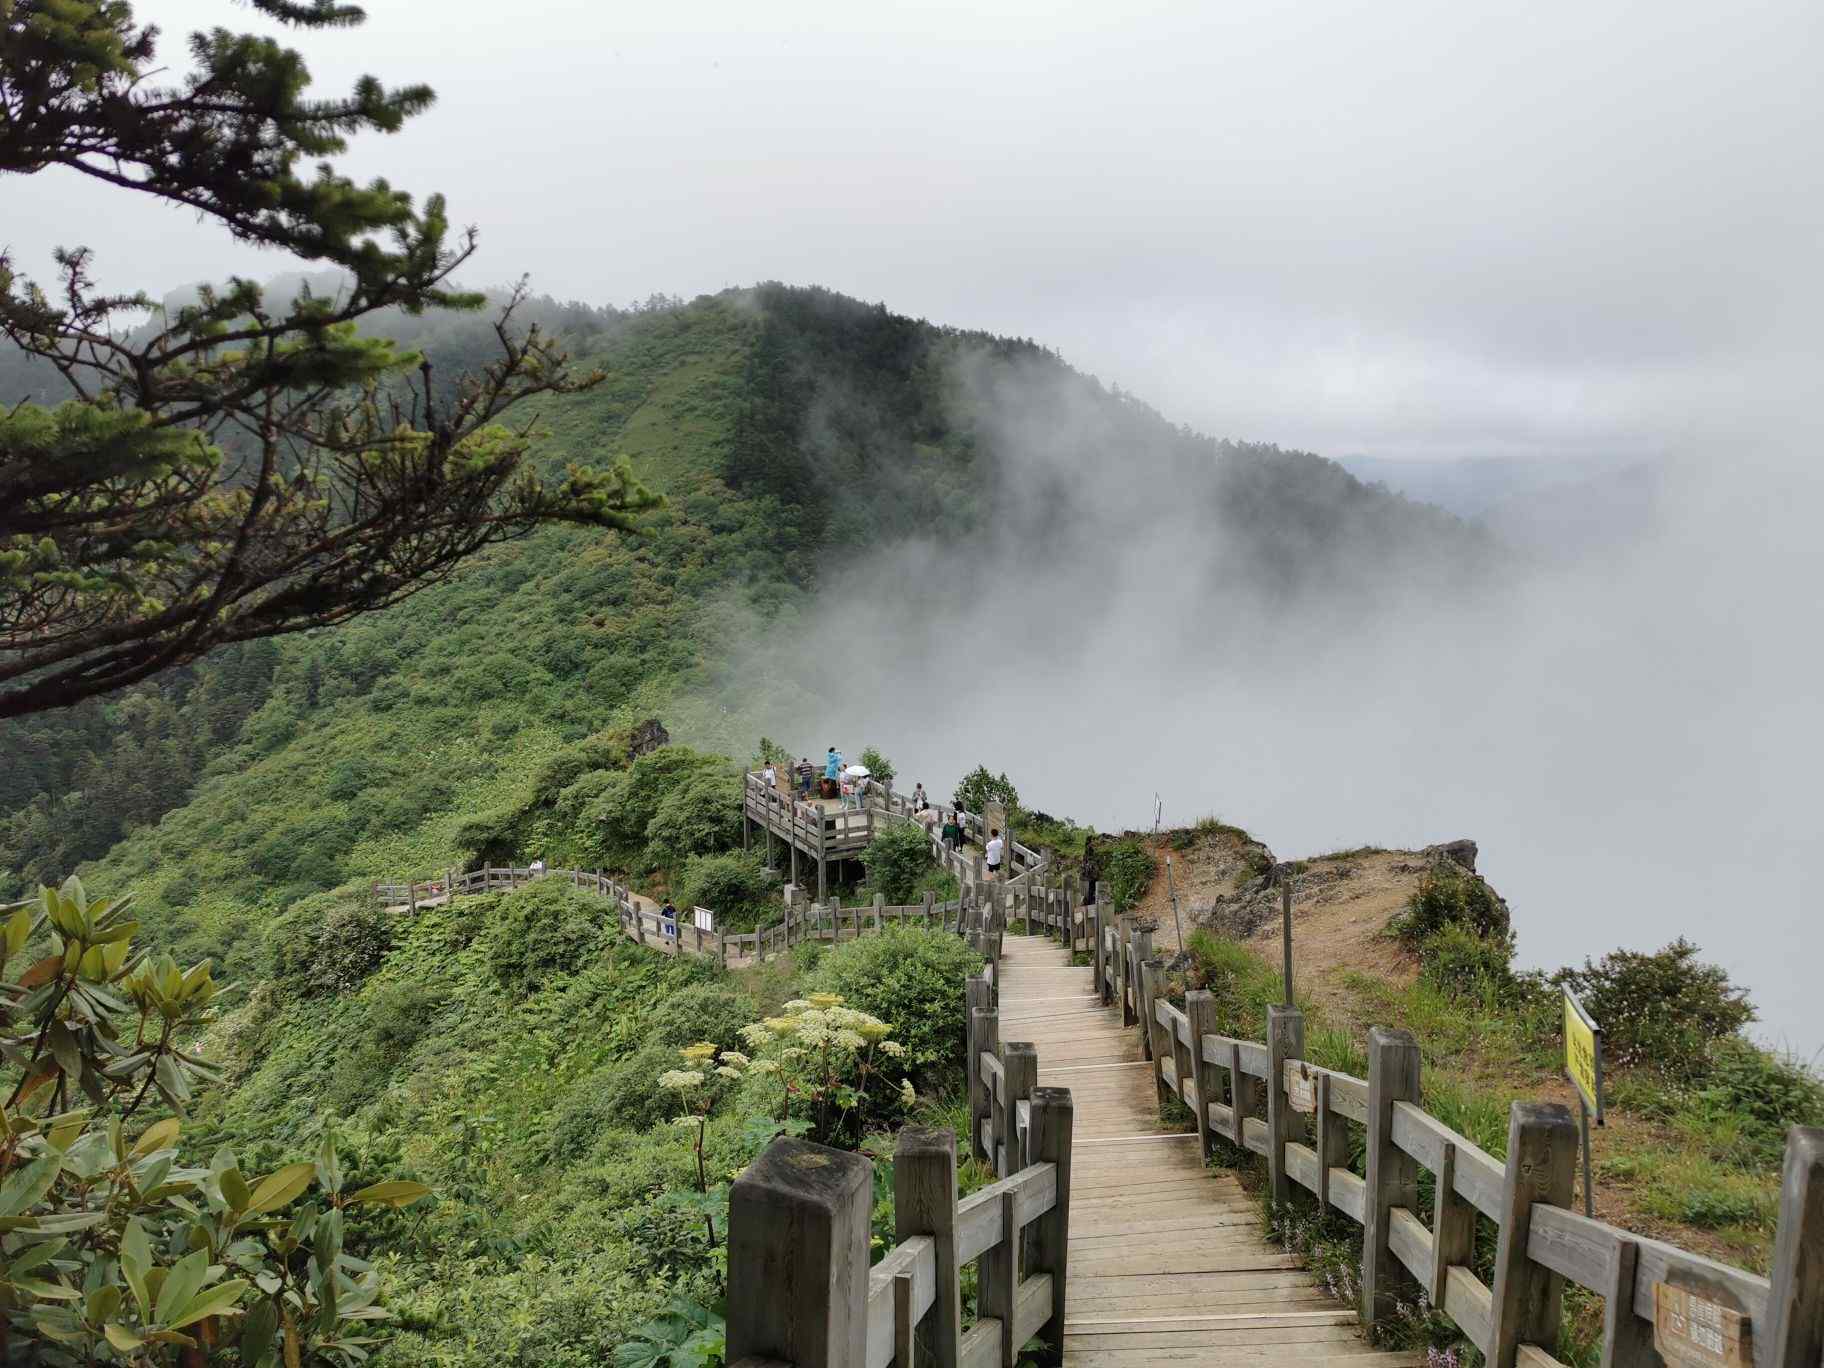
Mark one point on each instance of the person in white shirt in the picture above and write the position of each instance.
(992, 854)
(918, 798)
(770, 777)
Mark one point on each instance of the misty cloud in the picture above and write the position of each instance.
(1631, 734)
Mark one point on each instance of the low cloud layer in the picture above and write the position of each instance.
(1630, 730)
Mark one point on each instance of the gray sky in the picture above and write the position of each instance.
(1404, 230)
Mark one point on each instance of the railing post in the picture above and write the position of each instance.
(1053, 1116)
(924, 1203)
(1285, 1040)
(798, 1256)
(1200, 1010)
(1795, 1302)
(1142, 951)
(880, 901)
(1098, 954)
(1541, 1167)
(977, 996)
(1453, 1236)
(981, 1099)
(1393, 1176)
(1019, 1075)
(1151, 972)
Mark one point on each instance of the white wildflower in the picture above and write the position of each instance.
(727, 1071)
(680, 1080)
(893, 1048)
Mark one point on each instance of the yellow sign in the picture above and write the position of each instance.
(1583, 1054)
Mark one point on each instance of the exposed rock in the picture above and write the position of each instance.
(650, 735)
(1460, 852)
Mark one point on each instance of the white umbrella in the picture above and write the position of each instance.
(857, 771)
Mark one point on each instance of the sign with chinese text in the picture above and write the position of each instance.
(1301, 1087)
(1583, 1054)
(1692, 1330)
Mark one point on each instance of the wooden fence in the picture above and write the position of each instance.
(1021, 894)
(969, 916)
(801, 1292)
(1661, 1303)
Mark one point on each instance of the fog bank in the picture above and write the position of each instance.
(1630, 731)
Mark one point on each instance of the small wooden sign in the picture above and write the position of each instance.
(1301, 1087)
(1691, 1329)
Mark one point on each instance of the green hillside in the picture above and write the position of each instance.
(505, 1051)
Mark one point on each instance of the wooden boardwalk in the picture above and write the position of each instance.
(1167, 1262)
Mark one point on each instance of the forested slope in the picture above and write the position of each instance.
(791, 430)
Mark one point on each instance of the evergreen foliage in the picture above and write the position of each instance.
(1664, 1009)
(978, 788)
(241, 466)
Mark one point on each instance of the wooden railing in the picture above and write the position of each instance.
(832, 833)
(801, 1293)
(977, 915)
(1660, 1301)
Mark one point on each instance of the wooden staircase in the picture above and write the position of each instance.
(1167, 1263)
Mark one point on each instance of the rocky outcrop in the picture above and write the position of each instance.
(1461, 852)
(646, 738)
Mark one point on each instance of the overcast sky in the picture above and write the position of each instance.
(1403, 230)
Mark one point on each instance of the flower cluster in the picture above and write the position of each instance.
(824, 1054)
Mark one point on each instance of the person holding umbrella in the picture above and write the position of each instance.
(856, 785)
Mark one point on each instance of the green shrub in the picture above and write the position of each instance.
(1238, 980)
(912, 979)
(1764, 1093)
(625, 813)
(626, 1093)
(605, 750)
(878, 765)
(896, 859)
(1128, 868)
(735, 886)
(328, 943)
(1451, 896)
(698, 815)
(1663, 1010)
(398, 1017)
(1458, 962)
(979, 787)
(541, 931)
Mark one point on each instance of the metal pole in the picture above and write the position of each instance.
(1285, 916)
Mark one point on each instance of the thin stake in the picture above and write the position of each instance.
(1285, 914)
(1589, 1191)
(1172, 889)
